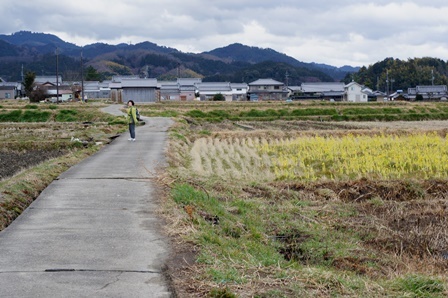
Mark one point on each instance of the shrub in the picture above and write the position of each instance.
(219, 97)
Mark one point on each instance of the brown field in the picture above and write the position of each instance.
(402, 226)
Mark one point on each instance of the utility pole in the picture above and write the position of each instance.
(387, 84)
(82, 78)
(432, 77)
(22, 87)
(57, 74)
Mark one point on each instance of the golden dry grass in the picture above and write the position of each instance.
(395, 229)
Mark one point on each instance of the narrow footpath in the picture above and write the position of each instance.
(93, 231)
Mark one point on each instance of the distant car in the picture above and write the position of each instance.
(289, 99)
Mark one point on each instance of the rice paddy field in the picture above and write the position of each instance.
(270, 199)
(307, 206)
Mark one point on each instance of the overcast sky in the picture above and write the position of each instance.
(335, 32)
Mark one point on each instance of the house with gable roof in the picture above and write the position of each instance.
(96, 89)
(138, 90)
(187, 88)
(169, 90)
(239, 91)
(431, 92)
(354, 92)
(181, 89)
(207, 90)
(322, 90)
(48, 80)
(10, 90)
(267, 89)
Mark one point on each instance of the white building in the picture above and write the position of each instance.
(354, 92)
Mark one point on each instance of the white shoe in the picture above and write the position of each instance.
(130, 139)
(133, 140)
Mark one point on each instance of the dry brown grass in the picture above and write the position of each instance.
(400, 227)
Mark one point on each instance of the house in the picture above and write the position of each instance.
(239, 91)
(187, 88)
(208, 90)
(431, 92)
(138, 90)
(181, 89)
(64, 94)
(169, 90)
(354, 92)
(10, 90)
(96, 89)
(322, 90)
(377, 96)
(52, 80)
(294, 91)
(267, 89)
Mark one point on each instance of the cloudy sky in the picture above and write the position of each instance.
(335, 32)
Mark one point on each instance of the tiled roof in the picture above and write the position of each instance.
(266, 82)
(139, 83)
(438, 89)
(322, 87)
(433, 89)
(239, 85)
(214, 86)
(188, 81)
(49, 79)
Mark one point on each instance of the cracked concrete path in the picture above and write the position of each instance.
(93, 231)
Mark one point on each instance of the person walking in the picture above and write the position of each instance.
(132, 119)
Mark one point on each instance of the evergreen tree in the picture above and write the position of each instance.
(28, 83)
(92, 74)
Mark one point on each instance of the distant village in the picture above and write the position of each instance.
(145, 90)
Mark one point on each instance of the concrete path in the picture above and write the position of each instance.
(93, 231)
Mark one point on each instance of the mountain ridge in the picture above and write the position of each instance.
(150, 59)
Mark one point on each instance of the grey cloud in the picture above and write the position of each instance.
(347, 26)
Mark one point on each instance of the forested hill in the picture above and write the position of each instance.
(37, 52)
(397, 74)
(240, 52)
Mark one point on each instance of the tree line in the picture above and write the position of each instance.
(392, 74)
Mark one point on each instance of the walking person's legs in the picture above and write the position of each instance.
(132, 131)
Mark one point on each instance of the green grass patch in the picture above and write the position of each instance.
(419, 286)
(67, 116)
(27, 116)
